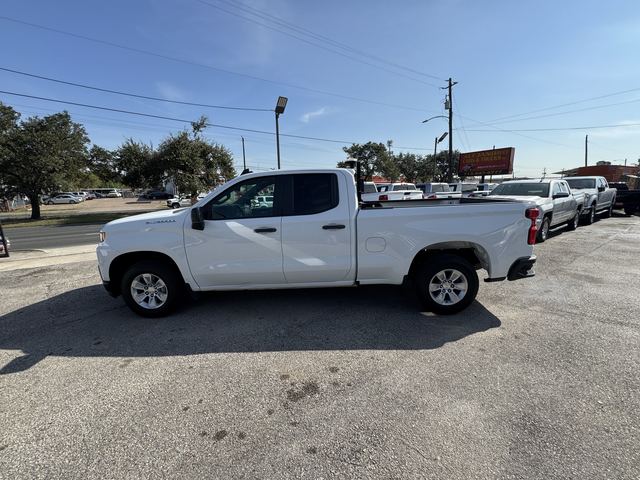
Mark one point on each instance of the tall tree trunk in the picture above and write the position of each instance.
(35, 206)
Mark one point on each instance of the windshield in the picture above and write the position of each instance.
(443, 187)
(522, 189)
(581, 182)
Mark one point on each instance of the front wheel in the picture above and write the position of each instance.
(175, 205)
(573, 223)
(592, 214)
(446, 284)
(151, 289)
(49, 202)
(543, 233)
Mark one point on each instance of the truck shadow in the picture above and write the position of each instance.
(87, 323)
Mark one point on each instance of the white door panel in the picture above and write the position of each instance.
(231, 252)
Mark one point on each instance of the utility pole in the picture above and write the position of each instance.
(586, 149)
(435, 159)
(244, 159)
(449, 105)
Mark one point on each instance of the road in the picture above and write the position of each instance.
(40, 238)
(538, 379)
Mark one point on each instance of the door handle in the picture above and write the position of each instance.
(333, 226)
(265, 230)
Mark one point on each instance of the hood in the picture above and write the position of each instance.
(151, 218)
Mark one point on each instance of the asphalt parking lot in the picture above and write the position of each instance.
(537, 379)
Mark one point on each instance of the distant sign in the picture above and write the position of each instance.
(498, 161)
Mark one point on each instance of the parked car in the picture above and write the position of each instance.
(157, 195)
(370, 187)
(64, 198)
(2, 250)
(315, 235)
(463, 188)
(178, 202)
(81, 195)
(626, 199)
(599, 197)
(437, 191)
(558, 206)
(113, 194)
(394, 191)
(89, 195)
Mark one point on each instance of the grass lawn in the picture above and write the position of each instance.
(62, 219)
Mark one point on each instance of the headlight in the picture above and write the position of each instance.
(103, 236)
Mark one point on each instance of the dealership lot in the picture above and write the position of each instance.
(538, 379)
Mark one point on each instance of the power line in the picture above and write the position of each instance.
(203, 65)
(596, 107)
(134, 95)
(622, 92)
(559, 129)
(174, 119)
(307, 41)
(277, 20)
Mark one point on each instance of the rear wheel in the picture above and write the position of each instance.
(573, 223)
(151, 289)
(446, 284)
(543, 233)
(609, 211)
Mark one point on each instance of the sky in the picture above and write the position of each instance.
(353, 71)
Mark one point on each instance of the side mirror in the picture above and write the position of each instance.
(197, 219)
(561, 195)
(601, 189)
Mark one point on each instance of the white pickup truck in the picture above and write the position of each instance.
(394, 191)
(315, 233)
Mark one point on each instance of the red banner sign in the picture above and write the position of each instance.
(498, 161)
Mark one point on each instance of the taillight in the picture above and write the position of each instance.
(433, 196)
(533, 214)
(383, 197)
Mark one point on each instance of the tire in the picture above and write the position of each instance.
(175, 205)
(49, 202)
(609, 212)
(446, 284)
(591, 218)
(630, 210)
(162, 281)
(543, 233)
(573, 223)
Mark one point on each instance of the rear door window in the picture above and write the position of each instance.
(314, 193)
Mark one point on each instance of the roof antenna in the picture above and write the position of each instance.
(544, 173)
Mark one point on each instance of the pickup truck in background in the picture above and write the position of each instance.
(317, 233)
(463, 188)
(437, 191)
(558, 206)
(626, 199)
(394, 191)
(598, 196)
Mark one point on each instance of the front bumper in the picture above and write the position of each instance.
(522, 268)
(109, 288)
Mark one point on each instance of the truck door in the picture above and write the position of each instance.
(316, 229)
(241, 242)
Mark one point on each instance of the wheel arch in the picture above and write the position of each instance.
(121, 263)
(475, 254)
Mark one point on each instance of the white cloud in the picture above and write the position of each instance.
(316, 113)
(170, 92)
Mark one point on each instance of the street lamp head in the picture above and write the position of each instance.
(443, 136)
(281, 104)
(437, 116)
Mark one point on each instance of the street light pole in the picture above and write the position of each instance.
(280, 106)
(244, 159)
(451, 83)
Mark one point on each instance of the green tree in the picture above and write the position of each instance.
(409, 165)
(135, 164)
(373, 158)
(193, 163)
(41, 154)
(102, 165)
